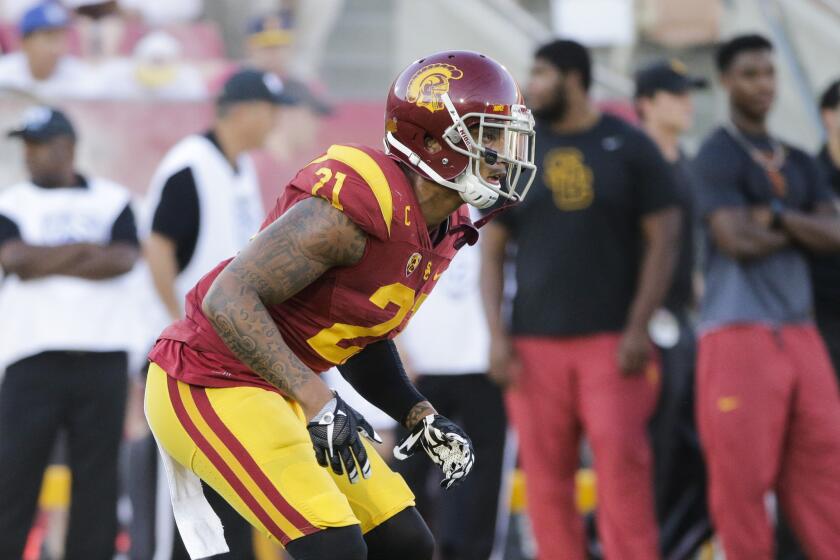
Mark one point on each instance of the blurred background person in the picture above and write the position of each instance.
(155, 70)
(99, 27)
(66, 244)
(269, 40)
(825, 276)
(12, 10)
(205, 205)
(205, 197)
(469, 521)
(768, 407)
(43, 66)
(596, 245)
(159, 13)
(825, 269)
(269, 46)
(665, 105)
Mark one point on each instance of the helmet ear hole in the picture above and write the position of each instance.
(431, 144)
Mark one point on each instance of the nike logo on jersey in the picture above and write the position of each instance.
(728, 404)
(436, 276)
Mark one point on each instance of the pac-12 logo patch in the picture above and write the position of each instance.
(413, 263)
(427, 85)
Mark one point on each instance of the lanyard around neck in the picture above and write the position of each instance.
(771, 163)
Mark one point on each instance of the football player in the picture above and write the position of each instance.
(353, 246)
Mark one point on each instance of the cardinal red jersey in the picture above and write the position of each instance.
(347, 307)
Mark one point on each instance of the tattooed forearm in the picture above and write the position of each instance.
(287, 256)
(417, 413)
(245, 326)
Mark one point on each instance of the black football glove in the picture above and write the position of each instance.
(335, 436)
(446, 445)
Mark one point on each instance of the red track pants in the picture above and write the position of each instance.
(769, 416)
(569, 386)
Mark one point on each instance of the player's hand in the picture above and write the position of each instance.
(446, 445)
(335, 436)
(505, 367)
(633, 351)
(762, 215)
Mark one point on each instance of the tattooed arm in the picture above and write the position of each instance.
(291, 253)
(417, 413)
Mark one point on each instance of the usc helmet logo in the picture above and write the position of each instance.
(428, 84)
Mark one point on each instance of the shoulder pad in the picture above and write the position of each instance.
(354, 182)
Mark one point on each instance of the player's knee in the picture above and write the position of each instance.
(420, 544)
(405, 536)
(335, 543)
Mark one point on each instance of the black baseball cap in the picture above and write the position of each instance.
(666, 75)
(41, 124)
(254, 85)
(831, 96)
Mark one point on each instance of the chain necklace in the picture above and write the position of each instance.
(771, 163)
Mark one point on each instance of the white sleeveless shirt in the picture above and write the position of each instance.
(64, 312)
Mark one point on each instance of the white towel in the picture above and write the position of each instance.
(200, 527)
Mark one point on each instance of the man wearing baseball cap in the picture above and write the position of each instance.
(269, 42)
(665, 105)
(66, 244)
(670, 76)
(270, 46)
(204, 205)
(43, 66)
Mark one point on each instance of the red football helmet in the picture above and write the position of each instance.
(442, 96)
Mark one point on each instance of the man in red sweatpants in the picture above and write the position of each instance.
(767, 399)
(596, 244)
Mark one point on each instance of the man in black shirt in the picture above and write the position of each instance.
(825, 279)
(825, 269)
(596, 245)
(665, 105)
